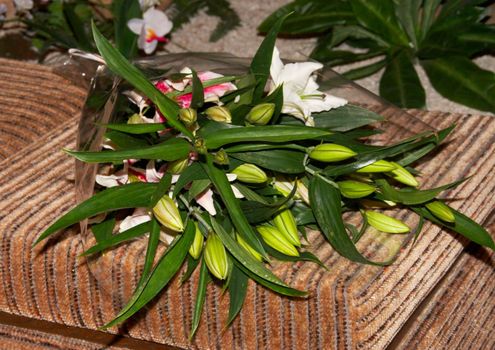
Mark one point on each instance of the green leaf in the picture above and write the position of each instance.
(191, 173)
(125, 39)
(191, 266)
(197, 91)
(429, 10)
(346, 118)
(161, 190)
(462, 225)
(334, 57)
(145, 128)
(400, 83)
(379, 17)
(173, 149)
(153, 241)
(165, 269)
(204, 279)
(462, 81)
(252, 265)
(222, 185)
(285, 161)
(303, 256)
(197, 187)
(132, 195)
(114, 240)
(268, 133)
(277, 97)
(408, 11)
(103, 230)
(77, 27)
(228, 18)
(118, 64)
(123, 141)
(363, 72)
(238, 283)
(325, 201)
(260, 65)
(410, 196)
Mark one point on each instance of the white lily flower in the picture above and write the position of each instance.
(301, 94)
(139, 216)
(151, 29)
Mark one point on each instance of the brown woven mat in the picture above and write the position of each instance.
(351, 306)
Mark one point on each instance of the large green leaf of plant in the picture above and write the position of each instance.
(285, 161)
(462, 81)
(400, 83)
(346, 118)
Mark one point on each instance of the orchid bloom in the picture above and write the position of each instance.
(151, 29)
(211, 93)
(301, 94)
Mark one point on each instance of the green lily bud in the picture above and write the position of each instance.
(134, 119)
(168, 214)
(355, 189)
(197, 245)
(385, 223)
(402, 175)
(248, 248)
(380, 166)
(200, 146)
(275, 239)
(178, 166)
(250, 173)
(286, 224)
(221, 157)
(219, 114)
(188, 116)
(441, 211)
(330, 152)
(216, 257)
(261, 114)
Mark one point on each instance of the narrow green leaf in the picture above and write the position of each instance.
(346, 118)
(161, 190)
(197, 91)
(114, 240)
(125, 39)
(118, 64)
(303, 256)
(125, 141)
(251, 264)
(204, 279)
(460, 80)
(238, 283)
(191, 266)
(400, 83)
(191, 173)
(144, 128)
(169, 150)
(429, 10)
(165, 269)
(408, 12)
(286, 161)
(103, 230)
(463, 225)
(132, 195)
(197, 187)
(277, 97)
(268, 133)
(366, 71)
(260, 65)
(222, 185)
(77, 26)
(326, 204)
(153, 240)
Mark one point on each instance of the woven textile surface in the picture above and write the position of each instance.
(351, 306)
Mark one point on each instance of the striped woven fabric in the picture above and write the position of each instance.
(350, 305)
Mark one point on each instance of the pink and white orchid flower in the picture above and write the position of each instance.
(301, 94)
(151, 29)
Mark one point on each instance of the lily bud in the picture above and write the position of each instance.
(135, 119)
(355, 189)
(188, 116)
(216, 257)
(221, 158)
(200, 146)
(219, 114)
(248, 248)
(330, 152)
(283, 185)
(197, 245)
(250, 173)
(177, 166)
(380, 166)
(168, 214)
(441, 211)
(275, 239)
(385, 223)
(261, 114)
(286, 224)
(402, 175)
(302, 191)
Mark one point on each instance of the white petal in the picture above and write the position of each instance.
(205, 199)
(111, 180)
(135, 25)
(276, 66)
(132, 221)
(298, 74)
(231, 177)
(151, 174)
(324, 104)
(175, 178)
(158, 21)
(149, 47)
(237, 193)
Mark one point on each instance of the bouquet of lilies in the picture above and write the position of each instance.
(227, 171)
